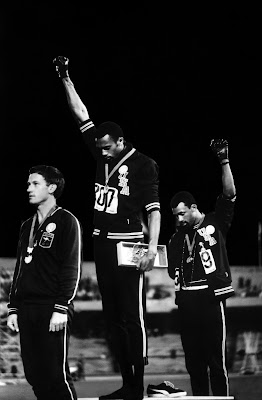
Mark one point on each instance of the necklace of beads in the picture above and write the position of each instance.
(190, 259)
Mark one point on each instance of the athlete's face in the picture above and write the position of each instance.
(109, 148)
(185, 216)
(38, 189)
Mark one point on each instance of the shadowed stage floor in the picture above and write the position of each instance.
(242, 387)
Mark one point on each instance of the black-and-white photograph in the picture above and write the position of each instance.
(131, 224)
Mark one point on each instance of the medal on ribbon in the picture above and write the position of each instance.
(28, 259)
(190, 247)
(50, 227)
(30, 247)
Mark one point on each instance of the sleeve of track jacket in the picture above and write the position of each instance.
(225, 212)
(88, 131)
(70, 254)
(13, 304)
(149, 182)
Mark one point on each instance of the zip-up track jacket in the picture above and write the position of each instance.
(211, 235)
(53, 274)
(131, 188)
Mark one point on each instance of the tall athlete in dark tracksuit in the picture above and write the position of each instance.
(126, 183)
(45, 281)
(198, 263)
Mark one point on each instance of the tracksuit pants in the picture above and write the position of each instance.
(203, 335)
(124, 306)
(44, 353)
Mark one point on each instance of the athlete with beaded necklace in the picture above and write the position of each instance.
(198, 263)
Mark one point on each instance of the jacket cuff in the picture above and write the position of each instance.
(60, 308)
(86, 125)
(12, 310)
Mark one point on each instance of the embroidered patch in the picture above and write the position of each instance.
(206, 234)
(210, 229)
(50, 227)
(46, 240)
(123, 169)
(123, 172)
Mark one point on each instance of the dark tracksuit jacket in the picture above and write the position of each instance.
(47, 284)
(201, 289)
(132, 187)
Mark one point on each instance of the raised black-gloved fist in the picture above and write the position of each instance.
(220, 148)
(61, 66)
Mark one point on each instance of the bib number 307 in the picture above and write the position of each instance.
(106, 199)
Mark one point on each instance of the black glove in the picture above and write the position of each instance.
(61, 64)
(220, 148)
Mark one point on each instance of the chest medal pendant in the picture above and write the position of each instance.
(29, 257)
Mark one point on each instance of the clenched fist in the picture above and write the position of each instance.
(61, 65)
(220, 148)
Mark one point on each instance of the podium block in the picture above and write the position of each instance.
(129, 253)
(195, 398)
(180, 398)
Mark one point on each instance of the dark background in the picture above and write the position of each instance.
(173, 77)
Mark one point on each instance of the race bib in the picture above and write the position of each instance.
(177, 280)
(106, 199)
(207, 259)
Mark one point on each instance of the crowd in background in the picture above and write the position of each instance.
(88, 288)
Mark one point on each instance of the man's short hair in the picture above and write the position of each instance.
(109, 128)
(185, 197)
(52, 175)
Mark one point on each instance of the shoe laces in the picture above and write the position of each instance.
(167, 383)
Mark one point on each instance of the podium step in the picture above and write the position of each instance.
(179, 398)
